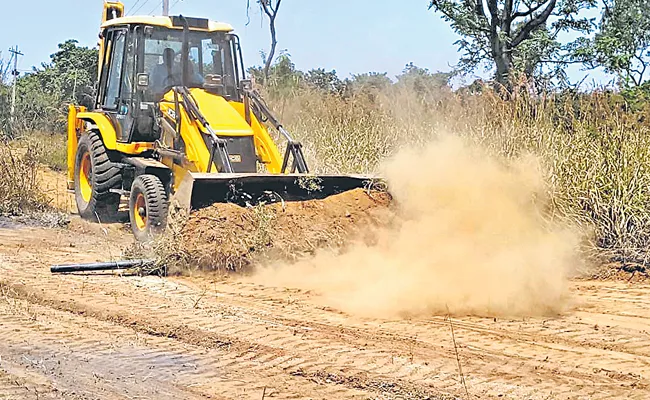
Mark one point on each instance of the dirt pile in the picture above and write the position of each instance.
(229, 237)
(473, 236)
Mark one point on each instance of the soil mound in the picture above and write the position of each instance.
(230, 237)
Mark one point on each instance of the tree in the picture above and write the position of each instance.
(622, 44)
(325, 81)
(43, 93)
(5, 69)
(270, 9)
(421, 80)
(70, 76)
(512, 35)
(283, 77)
(370, 82)
(76, 70)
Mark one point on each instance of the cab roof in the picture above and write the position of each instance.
(167, 22)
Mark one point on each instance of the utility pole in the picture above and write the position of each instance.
(165, 5)
(15, 53)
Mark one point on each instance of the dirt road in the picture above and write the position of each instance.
(110, 337)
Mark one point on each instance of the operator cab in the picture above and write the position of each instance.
(143, 58)
(210, 62)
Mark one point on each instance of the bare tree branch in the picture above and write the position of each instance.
(643, 64)
(530, 26)
(479, 9)
(607, 11)
(507, 17)
(271, 12)
(494, 13)
(530, 11)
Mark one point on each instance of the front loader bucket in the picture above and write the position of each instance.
(199, 190)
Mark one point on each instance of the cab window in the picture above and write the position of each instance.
(117, 40)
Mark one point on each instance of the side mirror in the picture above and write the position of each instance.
(143, 81)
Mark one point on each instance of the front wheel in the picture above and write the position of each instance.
(95, 176)
(148, 207)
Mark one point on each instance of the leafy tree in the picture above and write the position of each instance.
(512, 35)
(326, 81)
(43, 93)
(76, 68)
(370, 82)
(283, 77)
(622, 44)
(421, 80)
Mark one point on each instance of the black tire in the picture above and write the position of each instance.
(148, 207)
(101, 176)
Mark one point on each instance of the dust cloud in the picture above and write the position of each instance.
(470, 237)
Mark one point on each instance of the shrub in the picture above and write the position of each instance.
(19, 188)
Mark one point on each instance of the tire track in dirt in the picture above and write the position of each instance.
(78, 361)
(286, 335)
(577, 354)
(16, 383)
(91, 359)
(363, 351)
(274, 363)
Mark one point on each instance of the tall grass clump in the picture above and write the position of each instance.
(51, 149)
(596, 152)
(20, 192)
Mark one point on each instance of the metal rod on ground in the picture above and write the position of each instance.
(100, 266)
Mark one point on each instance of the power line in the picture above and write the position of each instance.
(163, 3)
(174, 5)
(154, 9)
(140, 8)
(133, 6)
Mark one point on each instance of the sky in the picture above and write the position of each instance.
(349, 36)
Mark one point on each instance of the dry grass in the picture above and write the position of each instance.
(50, 149)
(596, 154)
(19, 189)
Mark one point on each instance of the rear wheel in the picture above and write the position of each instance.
(148, 207)
(95, 176)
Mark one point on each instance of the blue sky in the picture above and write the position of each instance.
(348, 36)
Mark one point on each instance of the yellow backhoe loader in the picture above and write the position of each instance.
(176, 120)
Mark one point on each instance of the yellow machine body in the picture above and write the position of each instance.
(204, 143)
(227, 120)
